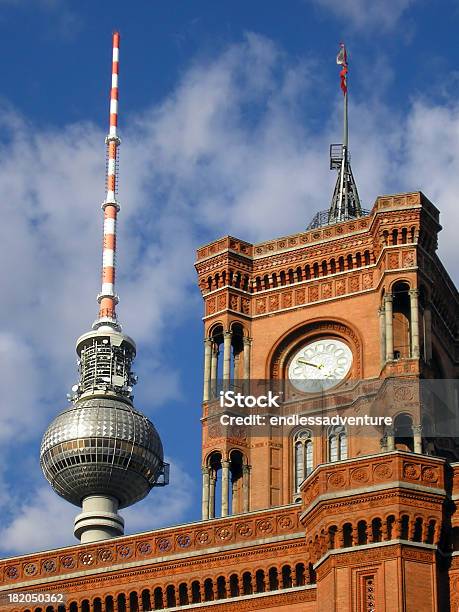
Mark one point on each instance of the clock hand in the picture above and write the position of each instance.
(301, 360)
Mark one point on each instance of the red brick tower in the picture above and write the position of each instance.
(373, 283)
(365, 287)
(364, 296)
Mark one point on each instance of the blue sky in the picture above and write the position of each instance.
(227, 111)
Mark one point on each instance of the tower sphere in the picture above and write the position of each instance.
(101, 446)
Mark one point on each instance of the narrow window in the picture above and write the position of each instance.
(303, 460)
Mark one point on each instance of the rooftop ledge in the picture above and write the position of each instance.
(371, 473)
(383, 470)
(398, 201)
(181, 541)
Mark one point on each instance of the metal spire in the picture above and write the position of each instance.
(107, 298)
(345, 203)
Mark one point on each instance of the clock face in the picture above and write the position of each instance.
(320, 365)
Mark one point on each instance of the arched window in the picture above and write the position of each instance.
(237, 461)
(401, 320)
(171, 601)
(133, 602)
(337, 444)
(214, 463)
(303, 463)
(403, 432)
(183, 595)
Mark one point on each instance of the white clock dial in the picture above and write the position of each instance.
(321, 364)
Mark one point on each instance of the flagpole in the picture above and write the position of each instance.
(346, 127)
(345, 152)
(341, 183)
(345, 202)
(342, 204)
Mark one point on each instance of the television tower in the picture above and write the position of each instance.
(101, 453)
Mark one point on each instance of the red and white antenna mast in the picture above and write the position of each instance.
(102, 482)
(107, 298)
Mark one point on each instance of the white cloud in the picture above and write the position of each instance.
(42, 524)
(230, 151)
(20, 390)
(45, 521)
(361, 14)
(430, 160)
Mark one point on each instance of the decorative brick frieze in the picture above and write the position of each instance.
(184, 539)
(320, 265)
(224, 244)
(371, 471)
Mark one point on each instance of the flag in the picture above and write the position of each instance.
(341, 60)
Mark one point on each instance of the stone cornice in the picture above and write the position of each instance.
(372, 473)
(386, 490)
(388, 549)
(388, 205)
